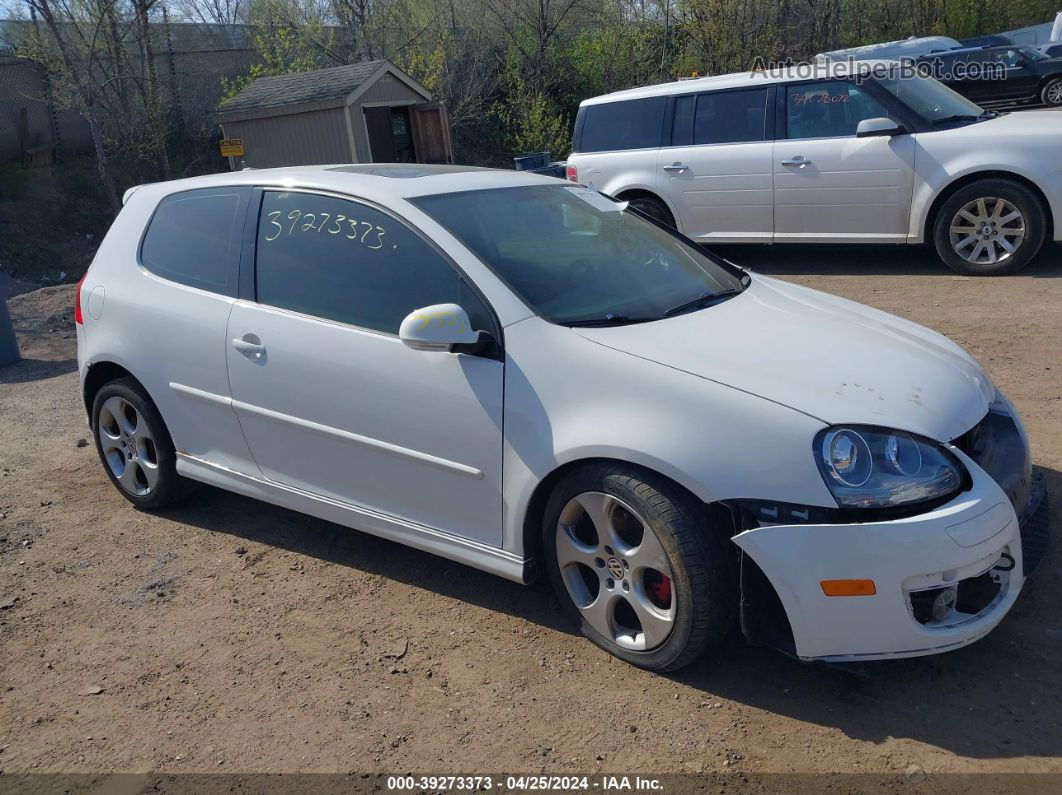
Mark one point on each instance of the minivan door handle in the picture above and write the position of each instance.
(250, 346)
(799, 161)
(676, 167)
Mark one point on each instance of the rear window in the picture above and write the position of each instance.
(615, 126)
(726, 117)
(192, 238)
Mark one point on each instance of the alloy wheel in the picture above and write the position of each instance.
(128, 446)
(987, 231)
(1054, 93)
(615, 571)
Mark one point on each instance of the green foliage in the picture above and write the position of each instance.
(283, 46)
(13, 179)
(527, 119)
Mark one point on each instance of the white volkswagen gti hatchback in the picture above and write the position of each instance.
(522, 374)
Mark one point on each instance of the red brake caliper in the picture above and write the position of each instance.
(660, 589)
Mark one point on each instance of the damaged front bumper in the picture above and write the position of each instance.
(941, 579)
(964, 557)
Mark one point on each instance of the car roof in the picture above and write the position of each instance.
(371, 180)
(750, 79)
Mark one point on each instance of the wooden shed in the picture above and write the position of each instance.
(369, 112)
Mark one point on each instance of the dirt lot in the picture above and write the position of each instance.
(228, 635)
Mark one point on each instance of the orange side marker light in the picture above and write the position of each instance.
(848, 587)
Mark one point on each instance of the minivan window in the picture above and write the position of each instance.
(577, 257)
(192, 239)
(931, 99)
(615, 126)
(828, 109)
(730, 117)
(345, 261)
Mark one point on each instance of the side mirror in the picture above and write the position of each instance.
(437, 328)
(869, 128)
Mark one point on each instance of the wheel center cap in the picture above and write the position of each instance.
(615, 568)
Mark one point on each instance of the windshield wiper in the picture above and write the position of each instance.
(988, 114)
(608, 320)
(702, 301)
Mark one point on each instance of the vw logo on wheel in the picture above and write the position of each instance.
(615, 568)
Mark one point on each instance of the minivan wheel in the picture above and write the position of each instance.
(134, 446)
(1052, 93)
(637, 565)
(654, 208)
(989, 228)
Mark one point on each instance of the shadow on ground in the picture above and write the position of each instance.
(26, 370)
(925, 699)
(870, 260)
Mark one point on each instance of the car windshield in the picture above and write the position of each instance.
(931, 99)
(577, 257)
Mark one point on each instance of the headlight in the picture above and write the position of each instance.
(879, 468)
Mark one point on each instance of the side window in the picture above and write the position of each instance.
(341, 260)
(830, 109)
(614, 126)
(193, 238)
(682, 125)
(1009, 57)
(730, 117)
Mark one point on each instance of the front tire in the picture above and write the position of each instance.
(990, 227)
(638, 566)
(134, 445)
(1052, 93)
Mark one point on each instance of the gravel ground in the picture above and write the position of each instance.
(228, 635)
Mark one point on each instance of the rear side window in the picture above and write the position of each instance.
(345, 261)
(193, 238)
(728, 117)
(614, 126)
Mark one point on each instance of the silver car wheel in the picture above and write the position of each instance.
(987, 231)
(128, 446)
(615, 571)
(1054, 93)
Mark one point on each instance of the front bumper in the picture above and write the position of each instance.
(970, 541)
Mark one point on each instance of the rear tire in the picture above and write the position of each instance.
(134, 446)
(1052, 93)
(990, 227)
(637, 565)
(654, 208)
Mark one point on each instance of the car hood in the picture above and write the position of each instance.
(836, 360)
(1025, 123)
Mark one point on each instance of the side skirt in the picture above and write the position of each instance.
(478, 556)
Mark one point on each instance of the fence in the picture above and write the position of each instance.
(190, 59)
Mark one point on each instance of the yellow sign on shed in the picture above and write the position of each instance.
(232, 147)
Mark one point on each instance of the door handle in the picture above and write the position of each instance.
(676, 167)
(799, 161)
(249, 348)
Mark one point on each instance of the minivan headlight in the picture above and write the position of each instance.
(866, 467)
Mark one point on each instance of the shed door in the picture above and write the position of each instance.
(431, 133)
(381, 138)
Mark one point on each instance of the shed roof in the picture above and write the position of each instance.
(319, 87)
(300, 88)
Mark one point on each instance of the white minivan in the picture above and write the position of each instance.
(834, 153)
(527, 376)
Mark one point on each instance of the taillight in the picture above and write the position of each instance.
(572, 173)
(77, 303)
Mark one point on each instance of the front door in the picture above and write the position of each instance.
(1013, 79)
(329, 399)
(717, 171)
(831, 186)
